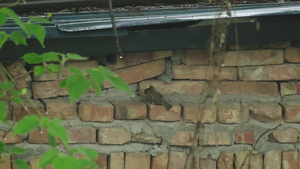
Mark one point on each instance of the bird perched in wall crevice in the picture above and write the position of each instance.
(156, 97)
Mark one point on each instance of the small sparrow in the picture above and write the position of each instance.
(156, 97)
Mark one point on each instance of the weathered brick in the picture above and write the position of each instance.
(232, 114)
(146, 138)
(82, 135)
(160, 161)
(244, 136)
(219, 138)
(101, 161)
(34, 163)
(60, 108)
(266, 112)
(261, 89)
(5, 161)
(129, 110)
(117, 161)
(256, 161)
(65, 73)
(290, 160)
(192, 162)
(195, 57)
(270, 73)
(208, 163)
(140, 72)
(17, 70)
(176, 160)
(113, 136)
(272, 45)
(137, 161)
(272, 160)
(184, 138)
(19, 111)
(160, 113)
(181, 87)
(252, 57)
(289, 88)
(38, 136)
(288, 135)
(9, 138)
(240, 157)
(291, 111)
(203, 72)
(130, 59)
(196, 113)
(96, 111)
(42, 90)
(225, 161)
(292, 55)
(8, 110)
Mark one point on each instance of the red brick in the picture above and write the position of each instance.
(252, 57)
(183, 138)
(60, 108)
(146, 138)
(288, 135)
(232, 114)
(140, 72)
(266, 112)
(101, 161)
(256, 161)
(38, 136)
(9, 138)
(195, 113)
(181, 87)
(225, 161)
(289, 89)
(245, 136)
(5, 161)
(261, 89)
(160, 161)
(82, 135)
(219, 138)
(100, 111)
(19, 112)
(129, 110)
(176, 160)
(272, 45)
(130, 59)
(290, 160)
(203, 72)
(34, 163)
(291, 111)
(113, 136)
(270, 73)
(272, 160)
(17, 70)
(48, 89)
(292, 55)
(65, 73)
(117, 161)
(239, 159)
(160, 113)
(208, 163)
(137, 161)
(195, 57)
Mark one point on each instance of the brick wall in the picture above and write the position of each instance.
(258, 90)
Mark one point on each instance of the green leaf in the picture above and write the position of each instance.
(26, 124)
(38, 70)
(17, 150)
(53, 68)
(39, 19)
(23, 91)
(91, 154)
(21, 164)
(50, 56)
(63, 84)
(18, 100)
(66, 162)
(44, 122)
(75, 56)
(51, 140)
(96, 76)
(6, 85)
(16, 92)
(76, 71)
(97, 88)
(32, 58)
(2, 18)
(55, 129)
(3, 38)
(48, 157)
(18, 38)
(13, 15)
(3, 110)
(37, 30)
(77, 85)
(2, 147)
